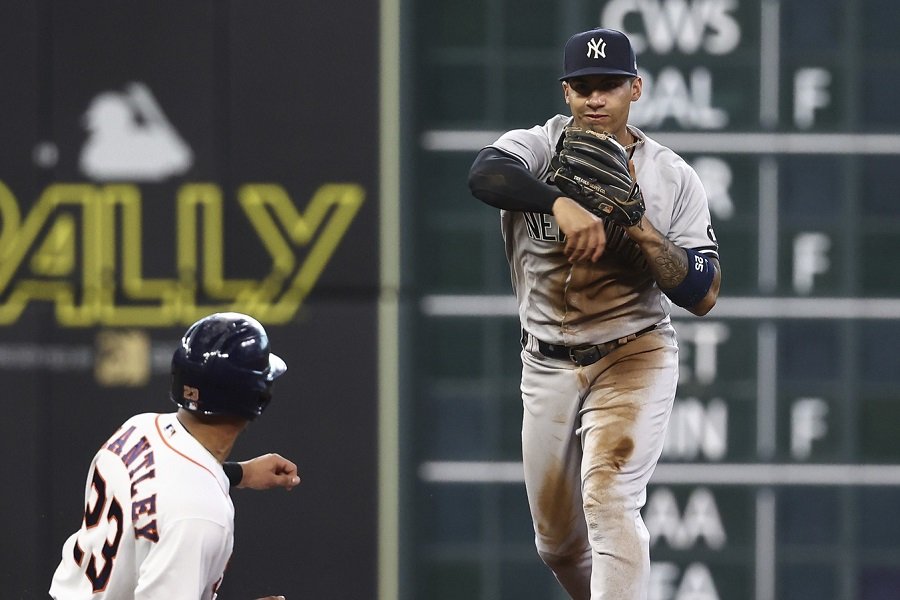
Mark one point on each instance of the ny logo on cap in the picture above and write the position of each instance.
(598, 48)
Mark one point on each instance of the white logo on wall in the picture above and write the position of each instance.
(130, 138)
(598, 48)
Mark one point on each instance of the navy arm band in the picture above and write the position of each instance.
(699, 278)
(234, 472)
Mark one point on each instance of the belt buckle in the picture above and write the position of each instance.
(584, 356)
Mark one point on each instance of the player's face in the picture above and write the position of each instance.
(602, 102)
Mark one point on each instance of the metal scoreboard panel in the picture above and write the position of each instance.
(778, 436)
(781, 465)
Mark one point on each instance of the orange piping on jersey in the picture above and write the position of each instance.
(182, 454)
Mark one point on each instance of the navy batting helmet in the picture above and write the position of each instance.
(224, 367)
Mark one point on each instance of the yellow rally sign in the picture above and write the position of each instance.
(39, 256)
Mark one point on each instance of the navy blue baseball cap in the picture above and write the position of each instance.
(599, 52)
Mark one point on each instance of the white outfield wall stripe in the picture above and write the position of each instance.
(687, 474)
(727, 307)
(705, 143)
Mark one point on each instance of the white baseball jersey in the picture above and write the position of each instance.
(158, 521)
(591, 303)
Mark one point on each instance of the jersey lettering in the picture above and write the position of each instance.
(139, 448)
(141, 472)
(92, 514)
(116, 445)
(147, 506)
(148, 475)
(99, 578)
(144, 508)
(147, 462)
(149, 532)
(543, 228)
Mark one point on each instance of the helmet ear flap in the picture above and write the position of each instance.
(263, 399)
(224, 366)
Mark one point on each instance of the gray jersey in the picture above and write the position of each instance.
(590, 303)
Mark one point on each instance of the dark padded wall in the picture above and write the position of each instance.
(262, 95)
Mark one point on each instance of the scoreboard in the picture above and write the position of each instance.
(780, 475)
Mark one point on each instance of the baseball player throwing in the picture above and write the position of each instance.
(158, 519)
(595, 261)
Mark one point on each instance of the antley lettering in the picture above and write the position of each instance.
(143, 509)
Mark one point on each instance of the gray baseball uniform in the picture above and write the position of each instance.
(595, 421)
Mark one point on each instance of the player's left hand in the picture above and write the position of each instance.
(269, 471)
(593, 169)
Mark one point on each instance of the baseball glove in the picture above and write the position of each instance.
(592, 169)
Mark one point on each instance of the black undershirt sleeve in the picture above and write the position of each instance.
(503, 182)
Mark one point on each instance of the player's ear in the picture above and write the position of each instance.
(565, 87)
(637, 88)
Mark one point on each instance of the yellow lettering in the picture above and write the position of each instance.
(81, 248)
(19, 239)
(151, 302)
(56, 255)
(262, 203)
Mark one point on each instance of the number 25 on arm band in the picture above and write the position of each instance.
(699, 278)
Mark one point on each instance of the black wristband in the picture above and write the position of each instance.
(234, 472)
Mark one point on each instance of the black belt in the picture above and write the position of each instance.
(587, 354)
